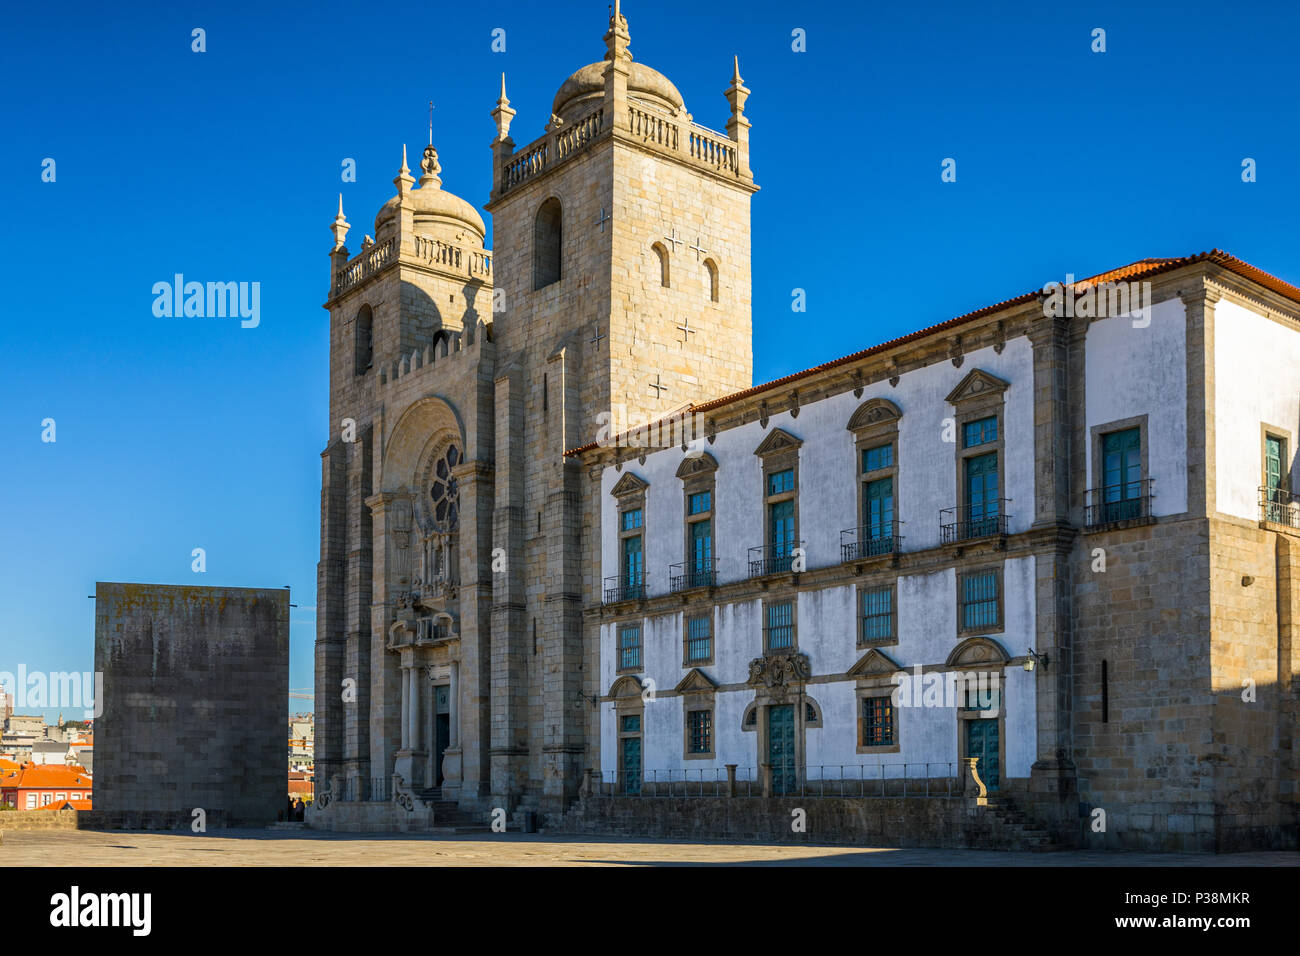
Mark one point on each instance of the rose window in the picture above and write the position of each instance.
(444, 495)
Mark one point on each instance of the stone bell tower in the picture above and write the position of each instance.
(622, 270)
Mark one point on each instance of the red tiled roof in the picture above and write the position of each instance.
(44, 776)
(1143, 268)
(67, 805)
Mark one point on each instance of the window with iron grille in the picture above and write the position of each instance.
(700, 725)
(699, 639)
(629, 648)
(877, 722)
(780, 626)
(877, 614)
(980, 604)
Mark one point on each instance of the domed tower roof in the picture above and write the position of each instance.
(584, 90)
(436, 212)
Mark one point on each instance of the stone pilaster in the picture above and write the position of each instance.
(1199, 305)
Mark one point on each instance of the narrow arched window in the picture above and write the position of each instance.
(662, 254)
(711, 278)
(363, 346)
(546, 244)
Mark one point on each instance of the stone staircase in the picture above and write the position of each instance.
(448, 817)
(1018, 827)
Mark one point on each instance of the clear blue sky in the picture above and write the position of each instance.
(178, 433)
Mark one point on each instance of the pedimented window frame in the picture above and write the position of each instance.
(873, 675)
(875, 423)
(698, 692)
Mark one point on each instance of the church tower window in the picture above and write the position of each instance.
(711, 278)
(546, 244)
(662, 254)
(363, 346)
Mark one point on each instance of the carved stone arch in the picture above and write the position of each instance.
(711, 278)
(812, 717)
(548, 238)
(696, 466)
(405, 449)
(874, 411)
(978, 652)
(749, 719)
(626, 687)
(661, 256)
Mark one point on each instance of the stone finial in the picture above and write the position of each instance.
(339, 226)
(617, 38)
(404, 180)
(738, 125)
(503, 114)
(431, 168)
(737, 93)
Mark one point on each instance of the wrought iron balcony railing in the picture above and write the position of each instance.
(870, 542)
(1130, 501)
(965, 524)
(1279, 507)
(624, 587)
(689, 574)
(772, 559)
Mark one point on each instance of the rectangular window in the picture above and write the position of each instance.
(878, 614)
(780, 626)
(633, 567)
(1121, 476)
(631, 520)
(780, 482)
(701, 566)
(878, 509)
(877, 722)
(979, 600)
(1276, 497)
(873, 459)
(982, 502)
(780, 522)
(699, 639)
(630, 724)
(700, 727)
(629, 648)
(699, 503)
(980, 432)
(31, 801)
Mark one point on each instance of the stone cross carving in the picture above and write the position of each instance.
(674, 240)
(598, 336)
(603, 219)
(658, 387)
(685, 329)
(699, 250)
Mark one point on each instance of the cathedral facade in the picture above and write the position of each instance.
(1046, 552)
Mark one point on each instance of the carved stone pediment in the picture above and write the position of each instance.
(696, 682)
(629, 484)
(778, 440)
(977, 384)
(874, 663)
(777, 673)
(977, 651)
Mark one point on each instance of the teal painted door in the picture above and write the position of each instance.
(1121, 461)
(982, 742)
(780, 747)
(982, 495)
(701, 553)
(878, 516)
(631, 764)
(1274, 456)
(781, 525)
(633, 567)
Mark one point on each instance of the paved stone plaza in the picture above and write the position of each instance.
(81, 848)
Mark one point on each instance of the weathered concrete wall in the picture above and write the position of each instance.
(196, 685)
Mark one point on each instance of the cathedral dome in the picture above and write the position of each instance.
(433, 207)
(585, 88)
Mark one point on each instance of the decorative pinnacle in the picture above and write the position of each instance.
(735, 76)
(339, 226)
(340, 217)
(404, 179)
(404, 168)
(431, 168)
(503, 101)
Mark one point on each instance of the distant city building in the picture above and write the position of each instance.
(34, 787)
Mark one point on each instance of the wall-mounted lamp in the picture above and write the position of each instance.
(1034, 659)
(579, 697)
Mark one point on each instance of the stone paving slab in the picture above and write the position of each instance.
(87, 848)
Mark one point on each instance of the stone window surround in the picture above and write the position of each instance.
(537, 284)
(991, 402)
(999, 663)
(619, 628)
(1097, 435)
(1275, 431)
(712, 275)
(868, 688)
(357, 326)
(698, 475)
(784, 596)
(875, 423)
(626, 695)
(975, 569)
(709, 615)
(879, 583)
(661, 255)
(699, 696)
(631, 498)
(776, 460)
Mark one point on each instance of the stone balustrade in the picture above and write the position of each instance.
(446, 256)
